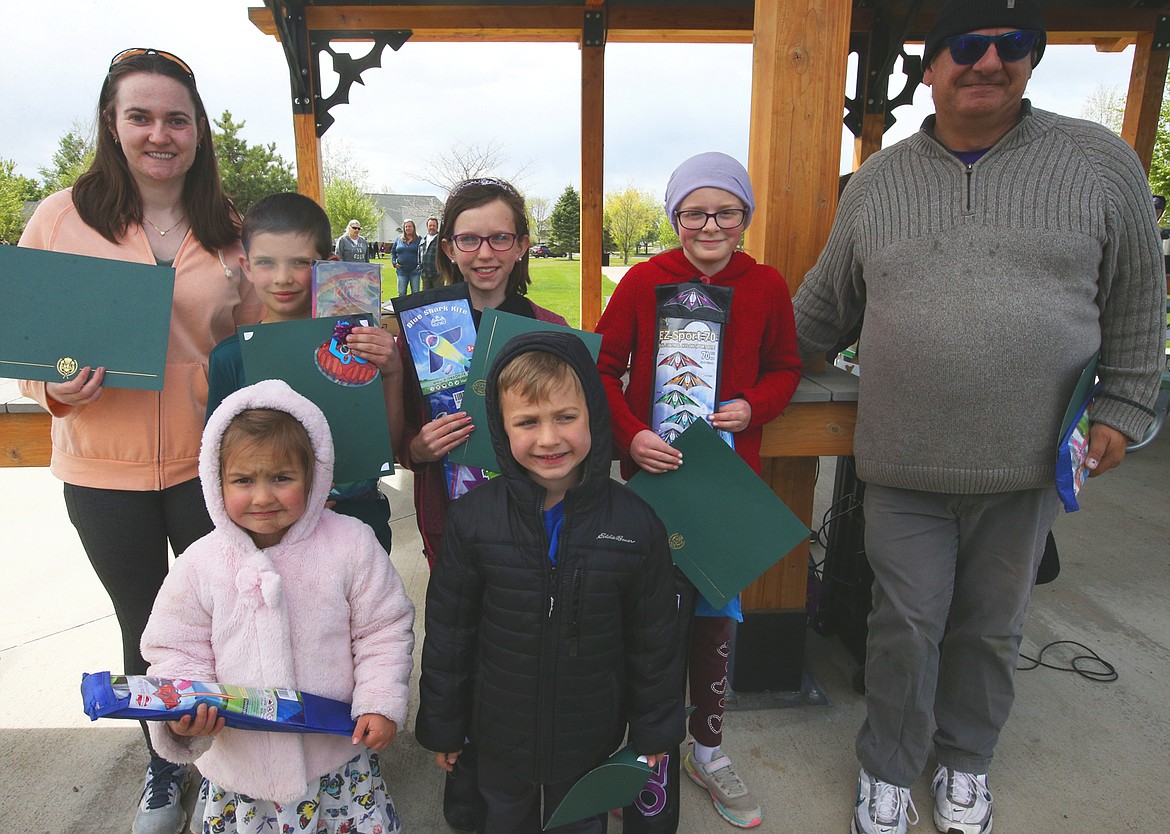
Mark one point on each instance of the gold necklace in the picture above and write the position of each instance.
(163, 232)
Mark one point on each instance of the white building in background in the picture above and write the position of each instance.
(398, 207)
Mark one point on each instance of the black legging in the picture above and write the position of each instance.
(125, 536)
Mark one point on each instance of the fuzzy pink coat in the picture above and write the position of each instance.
(324, 611)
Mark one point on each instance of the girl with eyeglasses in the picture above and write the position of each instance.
(709, 202)
(483, 242)
(129, 458)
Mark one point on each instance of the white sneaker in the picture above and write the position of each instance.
(962, 802)
(882, 808)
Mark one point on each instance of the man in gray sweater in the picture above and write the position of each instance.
(993, 253)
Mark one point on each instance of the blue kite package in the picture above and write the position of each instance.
(144, 698)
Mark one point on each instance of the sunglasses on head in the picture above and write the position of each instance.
(134, 53)
(1011, 46)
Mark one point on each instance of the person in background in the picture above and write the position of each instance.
(404, 254)
(986, 289)
(129, 458)
(351, 246)
(429, 254)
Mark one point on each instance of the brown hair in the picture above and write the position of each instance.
(273, 430)
(288, 213)
(471, 194)
(535, 375)
(106, 196)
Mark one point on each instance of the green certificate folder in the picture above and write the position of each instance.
(288, 350)
(725, 525)
(495, 329)
(60, 313)
(614, 783)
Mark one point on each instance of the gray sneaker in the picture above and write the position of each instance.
(161, 809)
(729, 794)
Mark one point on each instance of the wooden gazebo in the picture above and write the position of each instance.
(801, 50)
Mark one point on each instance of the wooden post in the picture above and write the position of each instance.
(1143, 104)
(592, 180)
(309, 177)
(799, 64)
(873, 127)
(799, 61)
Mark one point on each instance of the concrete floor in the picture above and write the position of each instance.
(1077, 756)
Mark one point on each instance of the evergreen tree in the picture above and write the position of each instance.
(73, 155)
(565, 222)
(248, 172)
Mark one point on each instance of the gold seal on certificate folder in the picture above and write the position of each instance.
(66, 366)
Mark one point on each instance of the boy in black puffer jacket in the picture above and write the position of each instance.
(551, 611)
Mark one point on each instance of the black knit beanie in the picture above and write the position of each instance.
(961, 16)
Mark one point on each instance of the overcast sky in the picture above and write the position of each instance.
(427, 98)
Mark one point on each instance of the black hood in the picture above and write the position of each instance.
(571, 349)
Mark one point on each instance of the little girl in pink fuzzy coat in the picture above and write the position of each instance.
(283, 594)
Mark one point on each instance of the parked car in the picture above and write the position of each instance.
(542, 250)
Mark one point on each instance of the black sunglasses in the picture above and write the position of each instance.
(134, 53)
(1011, 46)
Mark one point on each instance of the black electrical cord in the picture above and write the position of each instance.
(1081, 663)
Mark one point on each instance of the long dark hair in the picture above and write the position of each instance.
(471, 194)
(107, 198)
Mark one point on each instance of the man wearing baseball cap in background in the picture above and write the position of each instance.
(993, 253)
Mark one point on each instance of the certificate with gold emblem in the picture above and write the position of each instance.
(60, 313)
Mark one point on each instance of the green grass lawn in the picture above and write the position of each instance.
(556, 284)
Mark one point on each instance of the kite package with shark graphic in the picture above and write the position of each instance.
(142, 698)
(688, 362)
(439, 332)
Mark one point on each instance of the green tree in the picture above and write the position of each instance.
(667, 237)
(74, 153)
(565, 222)
(345, 201)
(346, 190)
(14, 191)
(1160, 164)
(630, 214)
(537, 208)
(248, 172)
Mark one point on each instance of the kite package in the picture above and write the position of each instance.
(342, 288)
(692, 318)
(688, 361)
(141, 698)
(439, 332)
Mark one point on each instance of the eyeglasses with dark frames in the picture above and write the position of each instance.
(1011, 46)
(693, 220)
(499, 242)
(134, 53)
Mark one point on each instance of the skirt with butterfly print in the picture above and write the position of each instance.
(351, 800)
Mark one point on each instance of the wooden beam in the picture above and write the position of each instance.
(525, 23)
(25, 438)
(1143, 104)
(1112, 44)
(784, 586)
(592, 180)
(811, 430)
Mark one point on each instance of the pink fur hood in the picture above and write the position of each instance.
(323, 611)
